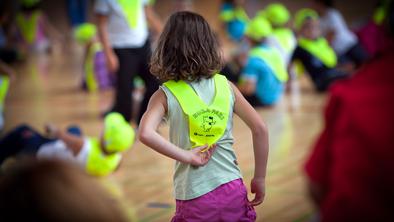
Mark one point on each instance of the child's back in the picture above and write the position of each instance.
(190, 182)
(199, 104)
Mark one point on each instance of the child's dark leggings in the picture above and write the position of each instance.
(327, 78)
(21, 139)
(133, 62)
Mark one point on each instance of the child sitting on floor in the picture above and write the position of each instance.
(314, 52)
(278, 15)
(98, 156)
(264, 75)
(235, 19)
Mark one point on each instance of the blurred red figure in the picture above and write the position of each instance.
(351, 169)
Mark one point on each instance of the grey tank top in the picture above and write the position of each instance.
(191, 182)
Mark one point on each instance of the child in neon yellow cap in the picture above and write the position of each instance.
(96, 74)
(314, 52)
(278, 15)
(235, 18)
(98, 156)
(264, 75)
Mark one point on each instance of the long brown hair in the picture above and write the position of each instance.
(187, 49)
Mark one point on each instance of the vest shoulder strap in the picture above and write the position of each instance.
(131, 10)
(207, 123)
(187, 97)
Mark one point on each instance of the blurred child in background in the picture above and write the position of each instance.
(265, 74)
(278, 15)
(96, 74)
(350, 170)
(33, 28)
(372, 36)
(235, 18)
(77, 11)
(8, 52)
(8, 55)
(341, 38)
(6, 74)
(123, 32)
(314, 52)
(207, 179)
(98, 156)
(49, 190)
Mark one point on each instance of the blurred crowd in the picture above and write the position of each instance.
(350, 171)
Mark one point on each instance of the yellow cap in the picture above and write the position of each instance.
(276, 13)
(258, 28)
(85, 32)
(118, 134)
(302, 15)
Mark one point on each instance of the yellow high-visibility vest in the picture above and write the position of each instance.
(131, 10)
(28, 26)
(98, 163)
(4, 85)
(273, 59)
(90, 76)
(207, 123)
(320, 49)
(285, 38)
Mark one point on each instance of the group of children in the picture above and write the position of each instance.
(319, 43)
(197, 101)
(200, 129)
(24, 29)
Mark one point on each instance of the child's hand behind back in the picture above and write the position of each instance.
(200, 156)
(257, 186)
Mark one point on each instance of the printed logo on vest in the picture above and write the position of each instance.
(208, 122)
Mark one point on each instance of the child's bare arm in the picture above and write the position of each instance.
(260, 143)
(247, 87)
(102, 25)
(153, 19)
(73, 142)
(7, 70)
(148, 135)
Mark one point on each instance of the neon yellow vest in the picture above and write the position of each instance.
(320, 49)
(98, 163)
(4, 85)
(131, 10)
(90, 76)
(28, 27)
(285, 38)
(207, 123)
(273, 59)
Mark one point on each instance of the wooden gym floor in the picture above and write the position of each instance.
(47, 90)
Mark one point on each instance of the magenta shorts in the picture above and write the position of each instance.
(226, 203)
